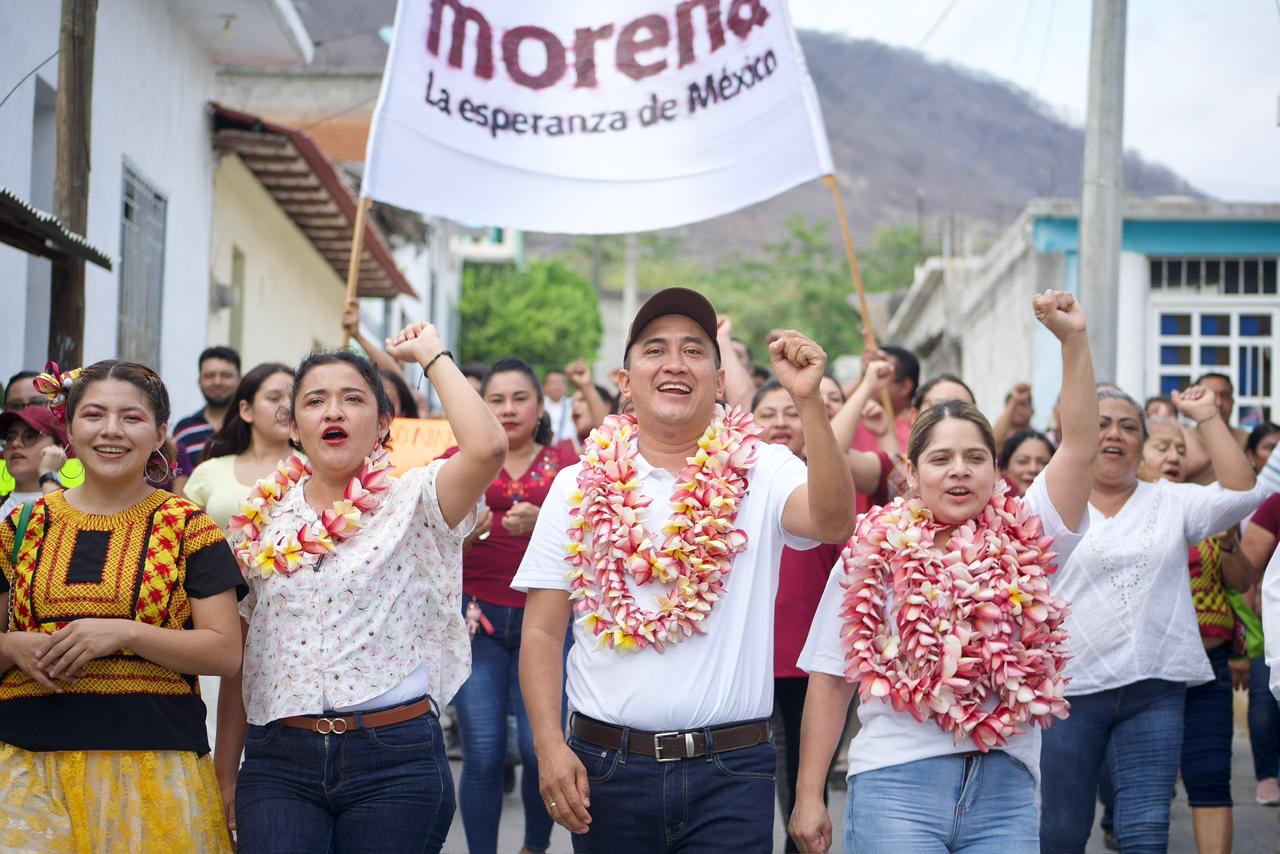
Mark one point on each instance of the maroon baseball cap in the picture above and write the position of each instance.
(684, 301)
(39, 418)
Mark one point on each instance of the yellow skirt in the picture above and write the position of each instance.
(99, 801)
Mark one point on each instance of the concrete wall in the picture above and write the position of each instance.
(292, 296)
(151, 82)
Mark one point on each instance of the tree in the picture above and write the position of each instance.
(799, 284)
(545, 313)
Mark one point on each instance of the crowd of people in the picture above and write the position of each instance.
(670, 596)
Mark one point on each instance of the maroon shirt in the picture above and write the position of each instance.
(487, 569)
(801, 579)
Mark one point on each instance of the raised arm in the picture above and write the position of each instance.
(1069, 475)
(863, 465)
(1229, 462)
(579, 373)
(824, 508)
(482, 443)
(351, 325)
(1012, 419)
(738, 387)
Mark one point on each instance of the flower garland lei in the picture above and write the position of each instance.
(969, 624)
(608, 540)
(291, 551)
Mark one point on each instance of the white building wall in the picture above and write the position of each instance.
(150, 85)
(292, 296)
(38, 25)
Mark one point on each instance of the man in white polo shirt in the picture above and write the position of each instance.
(670, 676)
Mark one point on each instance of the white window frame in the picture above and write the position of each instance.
(1196, 306)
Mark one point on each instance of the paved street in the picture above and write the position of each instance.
(1257, 828)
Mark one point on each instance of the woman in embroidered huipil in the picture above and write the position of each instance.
(121, 594)
(354, 616)
(513, 393)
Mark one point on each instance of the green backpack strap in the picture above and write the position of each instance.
(24, 519)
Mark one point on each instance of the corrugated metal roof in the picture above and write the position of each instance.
(32, 230)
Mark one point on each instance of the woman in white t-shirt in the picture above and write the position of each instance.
(929, 616)
(1135, 640)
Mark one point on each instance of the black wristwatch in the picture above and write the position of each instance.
(51, 477)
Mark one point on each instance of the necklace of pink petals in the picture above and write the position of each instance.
(967, 625)
(608, 540)
(293, 550)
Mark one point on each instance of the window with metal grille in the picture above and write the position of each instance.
(1242, 276)
(142, 229)
(1194, 338)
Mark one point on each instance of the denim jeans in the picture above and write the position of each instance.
(718, 802)
(1136, 731)
(383, 791)
(482, 704)
(1206, 735)
(976, 803)
(1264, 721)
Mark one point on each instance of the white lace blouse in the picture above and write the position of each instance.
(1132, 617)
(388, 601)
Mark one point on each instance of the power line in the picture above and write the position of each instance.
(37, 68)
(1044, 51)
(938, 22)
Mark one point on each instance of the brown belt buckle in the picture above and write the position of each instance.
(657, 746)
(325, 726)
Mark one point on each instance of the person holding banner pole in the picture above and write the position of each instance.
(354, 632)
(666, 538)
(495, 612)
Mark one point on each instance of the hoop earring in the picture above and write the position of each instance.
(165, 471)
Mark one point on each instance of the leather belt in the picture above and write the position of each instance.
(671, 746)
(372, 720)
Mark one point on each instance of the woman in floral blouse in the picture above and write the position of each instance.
(354, 628)
(496, 612)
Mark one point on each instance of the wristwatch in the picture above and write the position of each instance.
(50, 477)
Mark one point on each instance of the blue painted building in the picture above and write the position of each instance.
(1197, 292)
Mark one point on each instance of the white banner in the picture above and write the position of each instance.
(592, 118)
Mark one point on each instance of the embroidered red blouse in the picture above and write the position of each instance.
(487, 569)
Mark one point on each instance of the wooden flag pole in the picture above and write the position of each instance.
(868, 334)
(353, 266)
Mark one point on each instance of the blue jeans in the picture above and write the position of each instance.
(719, 802)
(379, 790)
(1136, 731)
(1264, 721)
(1206, 740)
(482, 704)
(974, 803)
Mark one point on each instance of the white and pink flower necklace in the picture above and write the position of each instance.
(608, 540)
(966, 625)
(293, 550)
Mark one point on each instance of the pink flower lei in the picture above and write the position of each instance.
(291, 551)
(974, 623)
(608, 540)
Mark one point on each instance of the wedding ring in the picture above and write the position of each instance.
(553, 804)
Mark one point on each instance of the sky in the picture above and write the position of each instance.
(1202, 79)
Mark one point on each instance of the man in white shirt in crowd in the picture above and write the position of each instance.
(670, 751)
(558, 406)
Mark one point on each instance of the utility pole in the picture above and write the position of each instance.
(1102, 193)
(71, 175)
(629, 299)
